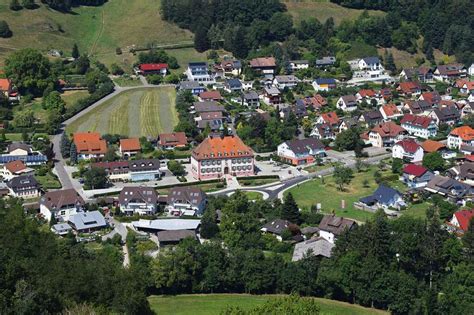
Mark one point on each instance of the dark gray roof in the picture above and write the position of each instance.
(87, 220)
(383, 195)
(234, 83)
(371, 60)
(144, 165)
(18, 145)
(207, 106)
(349, 99)
(175, 236)
(189, 195)
(447, 113)
(189, 85)
(336, 225)
(250, 95)
(62, 198)
(373, 116)
(276, 226)
(304, 145)
(23, 182)
(315, 247)
(141, 194)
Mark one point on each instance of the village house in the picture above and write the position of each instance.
(461, 136)
(129, 147)
(433, 98)
(216, 157)
(421, 74)
(459, 223)
(419, 126)
(134, 170)
(467, 87)
(212, 120)
(14, 169)
(61, 204)
(386, 134)
(366, 95)
(449, 72)
(324, 84)
(347, 103)
(295, 65)
(139, 200)
(228, 67)
(408, 150)
(409, 88)
(250, 99)
(384, 197)
(417, 107)
(317, 102)
(300, 152)
(19, 149)
(463, 172)
(285, 81)
(329, 118)
(323, 131)
(385, 94)
(7, 89)
(470, 71)
(416, 176)
(446, 115)
(186, 201)
(24, 187)
(430, 146)
(371, 118)
(265, 66)
(199, 72)
(276, 227)
(61, 229)
(89, 145)
(347, 123)
(170, 141)
(22, 152)
(152, 68)
(210, 96)
(332, 226)
(326, 61)
(450, 189)
(390, 112)
(158, 225)
(271, 95)
(87, 222)
(318, 247)
(208, 106)
(232, 85)
(370, 63)
(194, 87)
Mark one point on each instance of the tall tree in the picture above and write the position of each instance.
(75, 51)
(201, 43)
(5, 30)
(15, 5)
(65, 146)
(73, 154)
(289, 209)
(342, 176)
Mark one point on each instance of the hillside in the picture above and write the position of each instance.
(97, 30)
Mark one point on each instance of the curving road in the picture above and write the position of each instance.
(59, 165)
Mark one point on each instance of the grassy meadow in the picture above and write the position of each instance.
(214, 304)
(134, 113)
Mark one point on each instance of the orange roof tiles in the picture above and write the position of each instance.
(211, 95)
(15, 166)
(391, 110)
(222, 147)
(89, 142)
(175, 139)
(430, 146)
(367, 93)
(388, 129)
(263, 62)
(409, 87)
(5, 85)
(132, 144)
(465, 132)
(331, 118)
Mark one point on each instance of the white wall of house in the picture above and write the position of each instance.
(64, 214)
(328, 236)
(399, 152)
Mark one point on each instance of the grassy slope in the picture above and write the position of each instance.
(322, 10)
(142, 112)
(214, 303)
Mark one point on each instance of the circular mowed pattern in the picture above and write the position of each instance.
(134, 113)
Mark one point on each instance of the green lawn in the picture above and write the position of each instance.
(122, 81)
(314, 191)
(322, 10)
(206, 187)
(133, 113)
(253, 195)
(418, 210)
(257, 181)
(14, 136)
(49, 181)
(213, 304)
(71, 97)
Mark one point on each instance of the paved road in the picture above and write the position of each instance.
(56, 139)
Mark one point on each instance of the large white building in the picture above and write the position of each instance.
(408, 150)
(461, 136)
(199, 72)
(61, 204)
(219, 156)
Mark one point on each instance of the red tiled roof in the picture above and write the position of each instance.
(331, 118)
(210, 95)
(153, 66)
(408, 145)
(463, 217)
(430, 146)
(415, 170)
(367, 93)
(391, 110)
(15, 166)
(132, 144)
(422, 121)
(175, 139)
(459, 83)
(388, 129)
(465, 132)
(409, 87)
(222, 147)
(5, 85)
(89, 142)
(263, 62)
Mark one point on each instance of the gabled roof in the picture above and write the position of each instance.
(210, 95)
(190, 195)
(409, 87)
(222, 147)
(390, 110)
(388, 129)
(89, 142)
(175, 236)
(430, 146)
(19, 145)
(5, 84)
(87, 220)
(320, 81)
(175, 138)
(431, 97)
(330, 118)
(421, 121)
(450, 69)
(286, 79)
(408, 145)
(447, 113)
(415, 170)
(367, 93)
(140, 194)
(418, 107)
(465, 132)
(276, 226)
(349, 99)
(153, 66)
(303, 146)
(207, 106)
(23, 182)
(263, 62)
(15, 166)
(316, 246)
(383, 194)
(132, 144)
(371, 60)
(463, 217)
(60, 198)
(372, 116)
(336, 225)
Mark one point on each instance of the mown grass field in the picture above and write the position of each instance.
(315, 191)
(214, 304)
(133, 113)
(322, 10)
